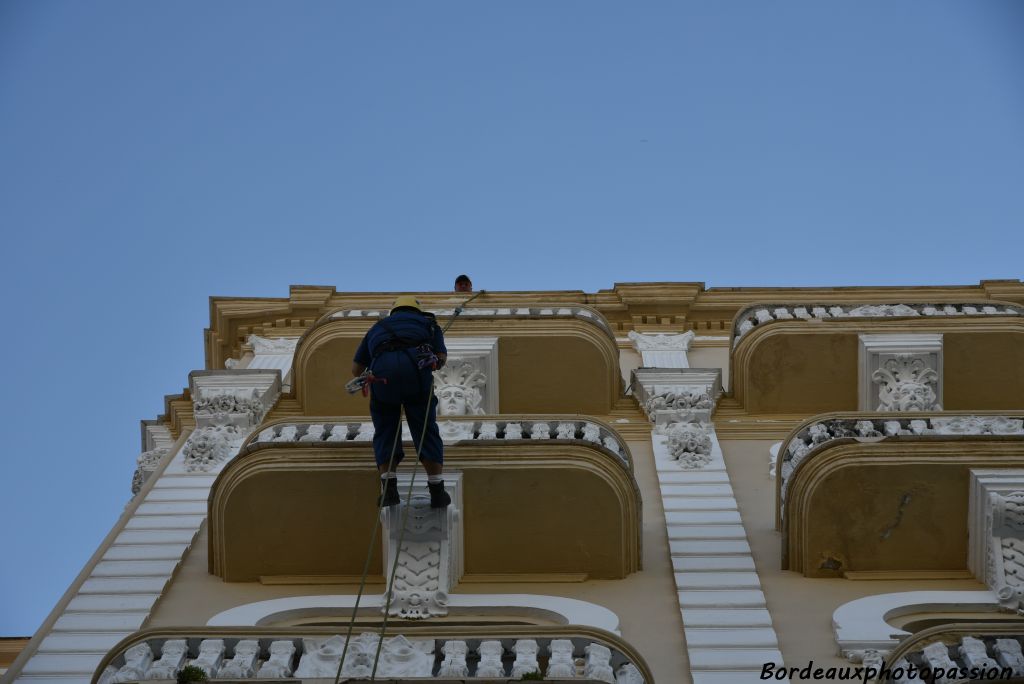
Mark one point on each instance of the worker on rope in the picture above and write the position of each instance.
(395, 360)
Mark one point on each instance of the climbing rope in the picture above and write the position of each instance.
(389, 586)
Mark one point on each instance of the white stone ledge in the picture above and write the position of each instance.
(702, 476)
(711, 563)
(100, 622)
(708, 547)
(150, 537)
(735, 677)
(172, 508)
(731, 617)
(746, 598)
(702, 517)
(706, 532)
(165, 522)
(717, 580)
(177, 494)
(677, 476)
(704, 503)
(49, 664)
(79, 642)
(714, 490)
(112, 603)
(135, 568)
(184, 480)
(738, 637)
(733, 658)
(124, 585)
(126, 552)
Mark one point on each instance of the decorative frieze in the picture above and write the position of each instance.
(453, 430)
(760, 314)
(812, 437)
(267, 353)
(901, 372)
(663, 350)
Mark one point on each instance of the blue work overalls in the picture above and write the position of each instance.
(389, 351)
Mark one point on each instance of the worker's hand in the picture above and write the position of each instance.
(441, 359)
(357, 369)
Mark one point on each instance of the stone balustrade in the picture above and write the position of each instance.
(583, 312)
(453, 430)
(810, 438)
(979, 657)
(758, 314)
(296, 658)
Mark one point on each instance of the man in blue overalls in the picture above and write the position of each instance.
(397, 350)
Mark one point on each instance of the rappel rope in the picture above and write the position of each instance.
(401, 533)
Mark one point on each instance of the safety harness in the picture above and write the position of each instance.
(424, 356)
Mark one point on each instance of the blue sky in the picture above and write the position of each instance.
(154, 154)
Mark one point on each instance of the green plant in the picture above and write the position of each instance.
(191, 673)
(532, 677)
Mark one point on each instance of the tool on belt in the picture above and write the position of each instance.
(361, 383)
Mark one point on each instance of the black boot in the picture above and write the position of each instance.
(389, 493)
(438, 497)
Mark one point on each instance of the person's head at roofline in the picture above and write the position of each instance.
(463, 284)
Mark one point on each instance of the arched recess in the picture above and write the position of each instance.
(811, 366)
(529, 507)
(549, 364)
(897, 505)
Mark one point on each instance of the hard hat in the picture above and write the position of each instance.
(407, 301)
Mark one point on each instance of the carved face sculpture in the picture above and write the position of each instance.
(452, 400)
(912, 396)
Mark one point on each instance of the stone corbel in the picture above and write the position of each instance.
(670, 395)
(430, 555)
(663, 350)
(240, 398)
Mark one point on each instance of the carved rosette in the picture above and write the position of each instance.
(146, 464)
(689, 444)
(210, 447)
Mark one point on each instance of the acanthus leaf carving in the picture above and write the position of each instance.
(906, 383)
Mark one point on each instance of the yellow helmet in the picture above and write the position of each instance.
(406, 301)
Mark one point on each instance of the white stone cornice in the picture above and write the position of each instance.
(663, 350)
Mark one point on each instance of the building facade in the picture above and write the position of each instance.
(656, 482)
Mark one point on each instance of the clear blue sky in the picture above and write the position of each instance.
(154, 154)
